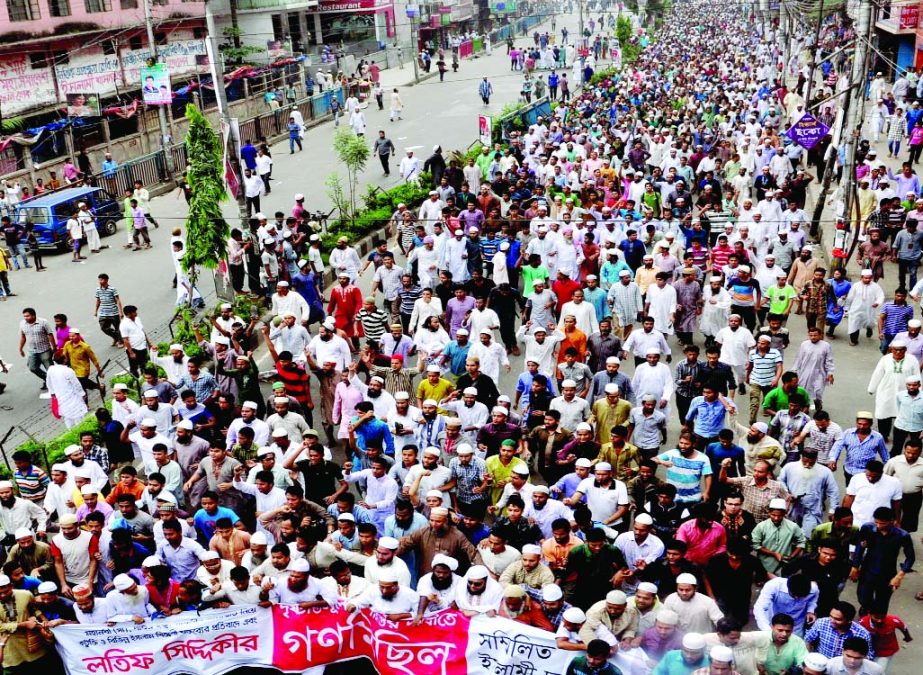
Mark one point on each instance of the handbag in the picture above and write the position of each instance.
(55, 410)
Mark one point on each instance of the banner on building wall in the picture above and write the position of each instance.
(155, 85)
(295, 640)
(83, 105)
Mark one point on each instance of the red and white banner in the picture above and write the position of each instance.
(298, 641)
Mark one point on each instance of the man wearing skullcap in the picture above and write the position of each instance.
(528, 570)
(519, 606)
(612, 619)
(440, 536)
(478, 594)
(697, 612)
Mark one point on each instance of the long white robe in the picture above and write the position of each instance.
(65, 387)
(813, 364)
(456, 259)
(427, 266)
(887, 380)
(862, 303)
(715, 312)
(656, 380)
(585, 314)
(662, 302)
(501, 273)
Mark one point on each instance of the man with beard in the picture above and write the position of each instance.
(545, 442)
(472, 413)
(299, 588)
(479, 595)
(438, 588)
(74, 552)
(387, 597)
(279, 560)
(610, 375)
(439, 537)
(189, 450)
(78, 459)
(602, 345)
(593, 569)
(248, 418)
(16, 513)
(473, 377)
(427, 476)
(518, 606)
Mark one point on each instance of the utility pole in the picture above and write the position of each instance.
(856, 110)
(815, 54)
(232, 149)
(161, 111)
(580, 22)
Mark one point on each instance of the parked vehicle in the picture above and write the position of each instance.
(49, 214)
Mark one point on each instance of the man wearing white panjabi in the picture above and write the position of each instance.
(814, 365)
(66, 391)
(478, 594)
(862, 303)
(888, 380)
(501, 271)
(427, 262)
(661, 304)
(654, 378)
(388, 597)
(438, 587)
(715, 310)
(736, 343)
(456, 257)
(582, 311)
(123, 408)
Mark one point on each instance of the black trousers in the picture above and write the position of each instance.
(384, 163)
(910, 510)
(682, 407)
(136, 364)
(747, 315)
(237, 277)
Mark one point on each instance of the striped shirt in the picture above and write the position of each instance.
(33, 484)
(374, 323)
(107, 301)
(896, 317)
(764, 366)
(686, 474)
(625, 302)
(408, 297)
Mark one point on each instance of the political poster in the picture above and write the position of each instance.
(155, 85)
(485, 130)
(83, 105)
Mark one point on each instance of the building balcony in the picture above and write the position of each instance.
(899, 19)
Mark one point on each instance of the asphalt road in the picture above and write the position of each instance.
(435, 113)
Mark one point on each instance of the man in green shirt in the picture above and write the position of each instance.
(777, 539)
(777, 399)
(594, 662)
(781, 295)
(786, 650)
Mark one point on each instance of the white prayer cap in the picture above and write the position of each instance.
(430, 402)
(461, 331)
(347, 517)
(226, 305)
(122, 582)
(47, 587)
(152, 561)
(616, 597)
(914, 323)
(150, 393)
(574, 615)
(500, 410)
(531, 549)
(401, 396)
(583, 463)
(583, 426)
(464, 449)
(22, 533)
(613, 360)
(119, 386)
(912, 379)
(88, 489)
(568, 383)
(643, 519)
(186, 424)
(435, 452)
(778, 505)
(814, 661)
(4, 580)
(722, 654)
(176, 347)
(258, 539)
(280, 399)
(149, 422)
(477, 572)
(693, 641)
(899, 344)
(209, 555)
(433, 368)
(604, 466)
(487, 331)
(503, 398)
(743, 268)
(300, 565)
(279, 433)
(470, 391)
(552, 593)
(667, 616)
(59, 467)
(222, 340)
(521, 469)
(377, 379)
(686, 578)
(647, 587)
(443, 559)
(653, 351)
(866, 273)
(387, 575)
(434, 493)
(612, 388)
(439, 512)
(541, 490)
(389, 543)
(761, 427)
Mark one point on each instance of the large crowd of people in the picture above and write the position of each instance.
(489, 428)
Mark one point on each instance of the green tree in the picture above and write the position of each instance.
(353, 153)
(207, 231)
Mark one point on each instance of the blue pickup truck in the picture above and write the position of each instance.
(49, 214)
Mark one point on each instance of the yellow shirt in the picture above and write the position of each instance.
(80, 355)
(621, 461)
(437, 391)
(606, 416)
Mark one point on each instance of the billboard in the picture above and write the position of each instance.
(155, 85)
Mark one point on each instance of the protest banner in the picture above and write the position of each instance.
(296, 640)
(808, 131)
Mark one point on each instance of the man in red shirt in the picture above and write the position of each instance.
(883, 628)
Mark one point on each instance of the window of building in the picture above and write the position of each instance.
(108, 47)
(38, 60)
(129, 4)
(160, 38)
(59, 7)
(97, 6)
(198, 33)
(62, 58)
(159, 2)
(134, 43)
(23, 10)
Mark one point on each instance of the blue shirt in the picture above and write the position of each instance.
(672, 663)
(775, 599)
(707, 417)
(858, 452)
(375, 432)
(248, 154)
(830, 641)
(359, 513)
(457, 356)
(524, 387)
(205, 523)
(686, 474)
(183, 561)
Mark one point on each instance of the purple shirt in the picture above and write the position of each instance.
(455, 311)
